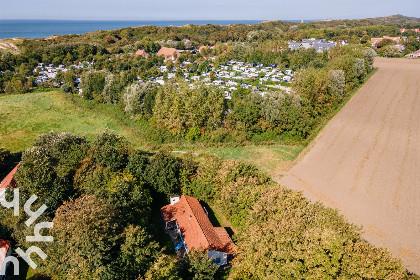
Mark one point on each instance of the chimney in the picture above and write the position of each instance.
(174, 199)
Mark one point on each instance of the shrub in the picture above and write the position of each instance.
(140, 99)
(66, 88)
(163, 174)
(336, 81)
(110, 150)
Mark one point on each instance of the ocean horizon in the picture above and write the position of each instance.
(37, 28)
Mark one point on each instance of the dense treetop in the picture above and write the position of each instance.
(107, 226)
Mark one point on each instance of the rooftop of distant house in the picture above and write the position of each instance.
(141, 52)
(195, 226)
(167, 52)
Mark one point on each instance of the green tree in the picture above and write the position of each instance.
(112, 89)
(137, 164)
(92, 83)
(199, 267)
(163, 174)
(336, 81)
(388, 51)
(165, 268)
(47, 169)
(248, 110)
(369, 55)
(179, 108)
(110, 150)
(140, 99)
(312, 84)
(138, 252)
(85, 233)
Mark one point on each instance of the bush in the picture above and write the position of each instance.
(92, 83)
(193, 134)
(66, 88)
(140, 99)
(164, 173)
(110, 150)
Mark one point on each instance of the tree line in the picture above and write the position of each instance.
(200, 112)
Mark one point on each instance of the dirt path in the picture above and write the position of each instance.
(366, 162)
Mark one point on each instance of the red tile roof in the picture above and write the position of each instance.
(168, 52)
(142, 53)
(203, 48)
(417, 30)
(4, 244)
(9, 180)
(375, 41)
(196, 227)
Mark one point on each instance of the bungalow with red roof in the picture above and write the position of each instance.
(9, 180)
(5, 251)
(202, 48)
(376, 41)
(142, 53)
(169, 53)
(189, 227)
(415, 54)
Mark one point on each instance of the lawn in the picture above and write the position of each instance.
(24, 117)
(271, 159)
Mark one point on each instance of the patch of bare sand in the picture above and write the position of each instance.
(366, 162)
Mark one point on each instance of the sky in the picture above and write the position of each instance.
(205, 10)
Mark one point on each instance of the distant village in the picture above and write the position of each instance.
(49, 73)
(231, 76)
(398, 46)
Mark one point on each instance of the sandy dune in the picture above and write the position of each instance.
(366, 162)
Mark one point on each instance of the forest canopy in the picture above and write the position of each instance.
(108, 196)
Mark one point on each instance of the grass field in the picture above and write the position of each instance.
(23, 117)
(271, 159)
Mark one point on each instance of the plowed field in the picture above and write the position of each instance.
(366, 162)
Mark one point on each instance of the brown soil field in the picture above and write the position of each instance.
(366, 161)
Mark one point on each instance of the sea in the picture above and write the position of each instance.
(26, 28)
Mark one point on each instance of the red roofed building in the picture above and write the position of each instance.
(169, 53)
(9, 180)
(202, 48)
(187, 223)
(142, 53)
(415, 54)
(5, 251)
(417, 30)
(376, 41)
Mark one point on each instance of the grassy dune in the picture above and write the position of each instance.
(23, 117)
(271, 159)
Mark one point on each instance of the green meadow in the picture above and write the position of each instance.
(23, 117)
